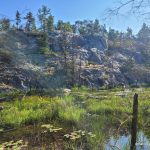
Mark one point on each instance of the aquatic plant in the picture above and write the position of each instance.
(50, 128)
(78, 134)
(18, 145)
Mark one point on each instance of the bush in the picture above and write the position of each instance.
(5, 56)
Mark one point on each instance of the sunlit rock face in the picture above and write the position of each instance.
(20, 60)
(85, 42)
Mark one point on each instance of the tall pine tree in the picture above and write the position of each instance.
(18, 19)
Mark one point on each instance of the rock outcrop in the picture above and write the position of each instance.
(20, 60)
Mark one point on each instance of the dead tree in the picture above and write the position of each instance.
(134, 122)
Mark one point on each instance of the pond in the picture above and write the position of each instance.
(99, 133)
(123, 142)
(105, 125)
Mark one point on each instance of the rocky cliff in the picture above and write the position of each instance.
(89, 60)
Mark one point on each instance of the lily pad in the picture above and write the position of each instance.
(50, 128)
(13, 145)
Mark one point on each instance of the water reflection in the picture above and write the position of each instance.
(123, 142)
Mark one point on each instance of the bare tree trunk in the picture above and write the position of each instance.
(134, 122)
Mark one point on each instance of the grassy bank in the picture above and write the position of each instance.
(71, 108)
(34, 109)
(89, 117)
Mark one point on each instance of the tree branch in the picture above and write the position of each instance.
(136, 7)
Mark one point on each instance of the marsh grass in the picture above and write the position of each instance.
(70, 108)
(34, 109)
(109, 105)
(98, 111)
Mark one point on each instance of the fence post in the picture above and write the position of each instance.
(134, 122)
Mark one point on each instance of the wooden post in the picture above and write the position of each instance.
(134, 122)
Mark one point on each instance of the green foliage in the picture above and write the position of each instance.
(71, 114)
(144, 32)
(43, 43)
(45, 50)
(30, 23)
(65, 27)
(129, 32)
(4, 24)
(120, 40)
(91, 116)
(113, 34)
(128, 66)
(35, 109)
(45, 18)
(60, 25)
(115, 105)
(5, 56)
(29, 110)
(43, 40)
(89, 27)
(18, 19)
(50, 23)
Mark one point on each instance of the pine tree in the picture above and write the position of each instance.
(18, 19)
(96, 27)
(64, 26)
(129, 32)
(60, 25)
(43, 14)
(144, 32)
(33, 25)
(30, 19)
(50, 23)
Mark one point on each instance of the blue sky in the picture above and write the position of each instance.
(71, 10)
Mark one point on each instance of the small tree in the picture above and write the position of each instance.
(64, 26)
(144, 32)
(33, 25)
(30, 21)
(50, 23)
(43, 43)
(4, 24)
(18, 19)
(96, 27)
(129, 32)
(43, 14)
(59, 25)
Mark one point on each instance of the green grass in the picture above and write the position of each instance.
(68, 111)
(109, 105)
(100, 112)
(71, 108)
(71, 113)
(36, 109)
(29, 110)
